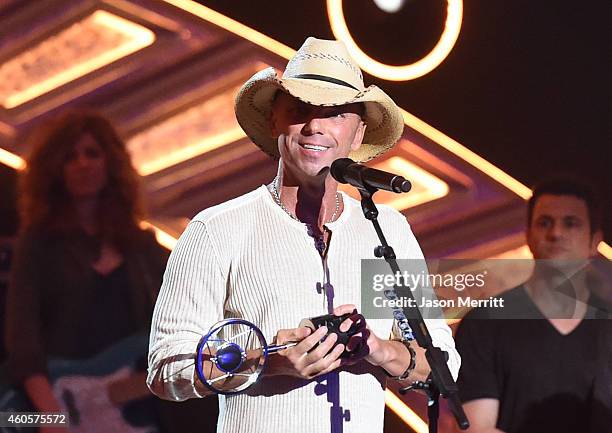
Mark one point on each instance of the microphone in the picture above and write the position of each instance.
(345, 170)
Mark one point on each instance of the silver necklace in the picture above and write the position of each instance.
(278, 201)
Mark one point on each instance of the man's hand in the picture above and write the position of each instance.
(376, 354)
(390, 355)
(305, 360)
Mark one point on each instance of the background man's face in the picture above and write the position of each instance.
(312, 137)
(560, 229)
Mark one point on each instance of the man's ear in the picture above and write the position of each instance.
(359, 133)
(596, 238)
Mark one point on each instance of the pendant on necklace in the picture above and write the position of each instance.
(318, 238)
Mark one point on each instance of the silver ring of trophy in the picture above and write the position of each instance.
(233, 354)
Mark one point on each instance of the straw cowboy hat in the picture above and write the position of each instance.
(320, 73)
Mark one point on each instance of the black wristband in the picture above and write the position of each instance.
(412, 364)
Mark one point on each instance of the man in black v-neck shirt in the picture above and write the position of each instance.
(549, 371)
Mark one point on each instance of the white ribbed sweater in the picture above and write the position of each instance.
(247, 258)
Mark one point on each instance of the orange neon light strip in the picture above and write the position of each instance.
(466, 154)
(163, 238)
(12, 160)
(605, 250)
(233, 26)
(406, 414)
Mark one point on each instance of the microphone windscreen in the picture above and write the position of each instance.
(338, 168)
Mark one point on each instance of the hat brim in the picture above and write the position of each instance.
(253, 103)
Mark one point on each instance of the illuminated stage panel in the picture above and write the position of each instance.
(96, 41)
(195, 131)
(425, 186)
(203, 121)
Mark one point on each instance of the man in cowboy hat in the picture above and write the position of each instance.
(292, 250)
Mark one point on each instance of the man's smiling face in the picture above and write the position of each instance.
(312, 137)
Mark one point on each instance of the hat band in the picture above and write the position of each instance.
(326, 79)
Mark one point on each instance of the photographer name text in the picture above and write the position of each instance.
(382, 302)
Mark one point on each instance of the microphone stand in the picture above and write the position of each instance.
(440, 381)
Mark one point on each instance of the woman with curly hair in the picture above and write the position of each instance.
(85, 275)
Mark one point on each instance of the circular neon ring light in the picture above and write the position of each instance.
(454, 16)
